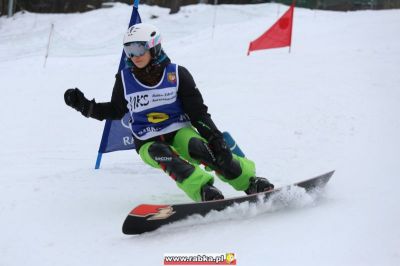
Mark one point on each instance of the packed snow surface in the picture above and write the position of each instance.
(331, 103)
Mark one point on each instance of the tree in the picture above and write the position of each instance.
(175, 6)
(3, 7)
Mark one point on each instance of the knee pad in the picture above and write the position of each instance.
(199, 150)
(170, 162)
(160, 151)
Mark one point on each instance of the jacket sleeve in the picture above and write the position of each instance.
(116, 108)
(193, 105)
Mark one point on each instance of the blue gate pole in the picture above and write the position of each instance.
(98, 161)
(107, 126)
(232, 144)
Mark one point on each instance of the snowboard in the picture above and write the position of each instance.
(149, 217)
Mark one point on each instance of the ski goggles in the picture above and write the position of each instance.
(135, 49)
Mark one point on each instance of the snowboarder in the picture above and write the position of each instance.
(170, 123)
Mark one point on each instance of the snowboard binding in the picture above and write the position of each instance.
(259, 184)
(209, 193)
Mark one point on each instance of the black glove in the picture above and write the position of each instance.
(222, 152)
(76, 99)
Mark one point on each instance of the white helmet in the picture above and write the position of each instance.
(146, 34)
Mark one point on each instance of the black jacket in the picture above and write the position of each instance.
(188, 93)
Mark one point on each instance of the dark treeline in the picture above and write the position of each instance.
(70, 6)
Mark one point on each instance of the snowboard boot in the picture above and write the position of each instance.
(209, 193)
(258, 184)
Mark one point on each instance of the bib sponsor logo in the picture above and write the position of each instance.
(172, 77)
(143, 100)
(139, 100)
(157, 117)
(148, 130)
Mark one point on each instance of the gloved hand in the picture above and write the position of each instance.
(76, 99)
(222, 152)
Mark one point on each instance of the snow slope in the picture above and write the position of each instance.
(332, 103)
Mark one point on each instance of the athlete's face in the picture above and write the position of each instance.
(141, 61)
